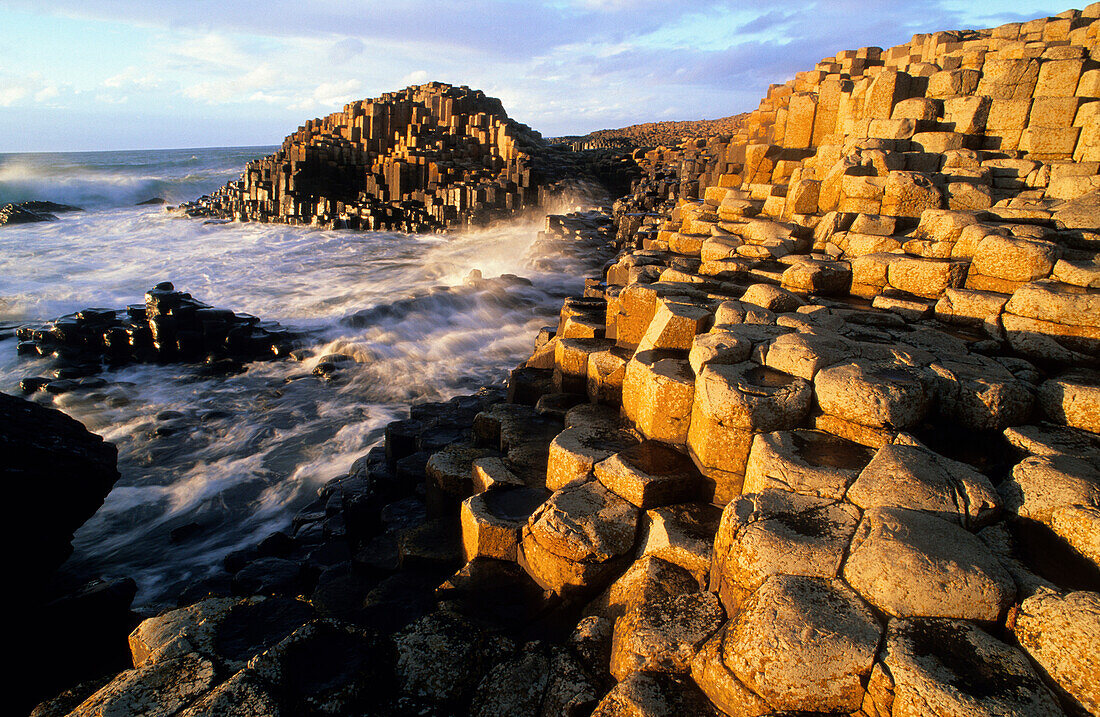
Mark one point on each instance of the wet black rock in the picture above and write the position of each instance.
(56, 475)
(29, 212)
(171, 326)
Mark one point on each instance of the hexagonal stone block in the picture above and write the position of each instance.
(657, 395)
(576, 539)
(662, 635)
(1041, 484)
(876, 394)
(1073, 399)
(1060, 632)
(803, 644)
(683, 534)
(804, 461)
(491, 521)
(777, 532)
(953, 667)
(650, 474)
(911, 564)
(917, 478)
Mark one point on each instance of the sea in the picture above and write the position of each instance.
(212, 465)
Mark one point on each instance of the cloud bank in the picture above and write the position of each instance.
(250, 72)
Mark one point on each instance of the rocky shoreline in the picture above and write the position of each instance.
(820, 439)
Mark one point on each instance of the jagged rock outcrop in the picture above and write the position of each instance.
(57, 475)
(426, 158)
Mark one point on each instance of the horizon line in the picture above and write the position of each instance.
(136, 149)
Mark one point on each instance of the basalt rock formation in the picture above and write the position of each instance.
(34, 211)
(425, 158)
(822, 439)
(170, 326)
(56, 475)
(649, 135)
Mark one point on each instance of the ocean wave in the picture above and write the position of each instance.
(99, 180)
(229, 460)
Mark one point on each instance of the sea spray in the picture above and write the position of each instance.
(118, 179)
(211, 465)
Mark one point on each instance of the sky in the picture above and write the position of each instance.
(118, 74)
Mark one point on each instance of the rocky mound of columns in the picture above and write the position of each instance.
(426, 158)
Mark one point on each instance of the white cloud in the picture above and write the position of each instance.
(330, 96)
(109, 99)
(133, 76)
(29, 89)
(260, 79)
(11, 94)
(417, 77)
(46, 93)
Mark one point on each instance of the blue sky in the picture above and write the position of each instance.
(117, 74)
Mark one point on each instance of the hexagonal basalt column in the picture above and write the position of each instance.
(657, 395)
(732, 402)
(492, 521)
(804, 461)
(575, 540)
(874, 394)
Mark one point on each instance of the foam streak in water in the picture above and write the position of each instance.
(220, 463)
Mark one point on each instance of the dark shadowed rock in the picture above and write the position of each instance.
(56, 475)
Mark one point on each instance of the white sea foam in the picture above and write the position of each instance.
(118, 179)
(249, 450)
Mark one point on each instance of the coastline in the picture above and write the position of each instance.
(820, 436)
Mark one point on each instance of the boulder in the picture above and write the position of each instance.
(911, 564)
(606, 372)
(440, 658)
(1014, 258)
(674, 326)
(980, 393)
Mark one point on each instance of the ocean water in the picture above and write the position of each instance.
(237, 456)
